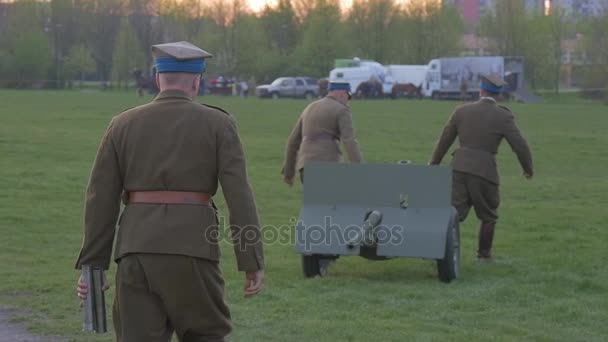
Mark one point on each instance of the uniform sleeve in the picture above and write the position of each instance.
(348, 138)
(244, 220)
(291, 151)
(446, 139)
(518, 144)
(102, 205)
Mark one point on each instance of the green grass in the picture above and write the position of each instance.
(549, 281)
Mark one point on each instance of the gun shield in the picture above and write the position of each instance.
(365, 236)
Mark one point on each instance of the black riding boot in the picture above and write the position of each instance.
(486, 236)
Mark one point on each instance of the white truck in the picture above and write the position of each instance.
(458, 77)
(403, 74)
(387, 76)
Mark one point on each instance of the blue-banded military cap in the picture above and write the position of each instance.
(492, 83)
(179, 57)
(339, 86)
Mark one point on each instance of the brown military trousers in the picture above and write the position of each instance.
(157, 295)
(473, 191)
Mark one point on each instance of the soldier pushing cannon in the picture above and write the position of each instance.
(379, 212)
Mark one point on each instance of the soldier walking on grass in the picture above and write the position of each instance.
(316, 137)
(166, 158)
(320, 128)
(480, 128)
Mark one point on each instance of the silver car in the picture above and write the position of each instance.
(292, 87)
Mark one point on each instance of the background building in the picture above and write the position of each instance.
(472, 10)
(581, 7)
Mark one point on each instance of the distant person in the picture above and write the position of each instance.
(167, 158)
(464, 90)
(376, 86)
(234, 86)
(316, 136)
(480, 127)
(221, 81)
(243, 89)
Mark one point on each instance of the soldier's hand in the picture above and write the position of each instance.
(82, 288)
(254, 283)
(288, 181)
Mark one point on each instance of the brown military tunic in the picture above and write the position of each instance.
(176, 144)
(480, 128)
(317, 133)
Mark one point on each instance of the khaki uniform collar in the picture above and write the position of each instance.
(172, 93)
(335, 99)
(488, 100)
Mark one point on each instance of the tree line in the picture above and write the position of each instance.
(66, 40)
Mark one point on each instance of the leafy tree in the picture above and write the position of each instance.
(373, 28)
(596, 52)
(79, 63)
(428, 30)
(128, 55)
(64, 27)
(143, 16)
(27, 60)
(323, 40)
(25, 56)
(222, 35)
(514, 32)
(101, 30)
(250, 39)
(558, 29)
(281, 27)
(535, 36)
(507, 27)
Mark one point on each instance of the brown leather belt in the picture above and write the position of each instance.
(169, 197)
(319, 136)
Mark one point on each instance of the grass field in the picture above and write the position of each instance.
(549, 281)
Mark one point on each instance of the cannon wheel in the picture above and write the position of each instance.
(310, 265)
(448, 268)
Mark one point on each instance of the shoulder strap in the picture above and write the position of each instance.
(218, 108)
(505, 108)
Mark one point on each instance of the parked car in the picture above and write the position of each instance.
(294, 87)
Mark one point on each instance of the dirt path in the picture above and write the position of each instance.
(17, 332)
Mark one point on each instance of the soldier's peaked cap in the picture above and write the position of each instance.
(336, 85)
(492, 83)
(179, 57)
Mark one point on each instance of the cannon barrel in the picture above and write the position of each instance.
(94, 305)
(365, 236)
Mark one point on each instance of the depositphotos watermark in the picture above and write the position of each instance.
(326, 234)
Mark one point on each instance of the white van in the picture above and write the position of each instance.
(353, 75)
(403, 74)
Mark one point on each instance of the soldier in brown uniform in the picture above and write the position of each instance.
(480, 127)
(316, 136)
(318, 131)
(166, 159)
